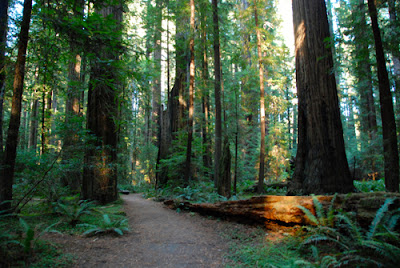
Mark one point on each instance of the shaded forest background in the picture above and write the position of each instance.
(172, 95)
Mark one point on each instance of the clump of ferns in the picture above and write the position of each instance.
(343, 242)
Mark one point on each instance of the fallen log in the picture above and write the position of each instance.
(284, 210)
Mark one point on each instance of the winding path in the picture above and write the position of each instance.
(159, 237)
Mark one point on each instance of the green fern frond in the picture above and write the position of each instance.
(319, 210)
(394, 218)
(309, 215)
(331, 212)
(378, 217)
(351, 226)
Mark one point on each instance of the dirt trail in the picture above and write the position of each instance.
(159, 237)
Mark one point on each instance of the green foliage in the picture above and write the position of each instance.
(370, 185)
(346, 243)
(107, 226)
(72, 209)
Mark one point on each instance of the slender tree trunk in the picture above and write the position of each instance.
(191, 95)
(321, 164)
(156, 93)
(390, 150)
(217, 96)
(364, 75)
(395, 53)
(205, 92)
(7, 171)
(260, 186)
(3, 40)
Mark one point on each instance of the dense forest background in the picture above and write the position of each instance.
(186, 96)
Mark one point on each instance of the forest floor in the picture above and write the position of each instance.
(159, 237)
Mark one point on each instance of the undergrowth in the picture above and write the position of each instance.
(21, 243)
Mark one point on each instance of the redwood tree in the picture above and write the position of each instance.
(100, 172)
(3, 39)
(390, 150)
(321, 164)
(260, 186)
(7, 172)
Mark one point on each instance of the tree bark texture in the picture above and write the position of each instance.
(260, 187)
(217, 96)
(72, 175)
(191, 95)
(156, 92)
(7, 172)
(364, 74)
(205, 98)
(321, 164)
(3, 41)
(100, 172)
(390, 149)
(284, 210)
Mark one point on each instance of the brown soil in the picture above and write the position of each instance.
(159, 237)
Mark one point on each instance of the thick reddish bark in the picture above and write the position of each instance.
(284, 210)
(390, 150)
(321, 164)
(260, 187)
(100, 173)
(7, 172)
(191, 96)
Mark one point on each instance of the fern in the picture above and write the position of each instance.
(378, 217)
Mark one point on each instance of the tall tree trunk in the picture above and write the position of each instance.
(217, 96)
(191, 96)
(205, 92)
(393, 16)
(364, 74)
(7, 171)
(321, 164)
(3, 41)
(390, 150)
(72, 176)
(156, 93)
(100, 172)
(260, 186)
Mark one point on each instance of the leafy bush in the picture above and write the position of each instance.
(370, 185)
(107, 226)
(346, 243)
(73, 209)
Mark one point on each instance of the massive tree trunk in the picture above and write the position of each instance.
(3, 41)
(7, 171)
(217, 96)
(260, 187)
(390, 150)
(191, 96)
(100, 172)
(72, 176)
(321, 164)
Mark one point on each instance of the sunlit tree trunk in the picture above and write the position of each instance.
(390, 150)
(71, 176)
(321, 164)
(260, 186)
(7, 171)
(100, 173)
(191, 95)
